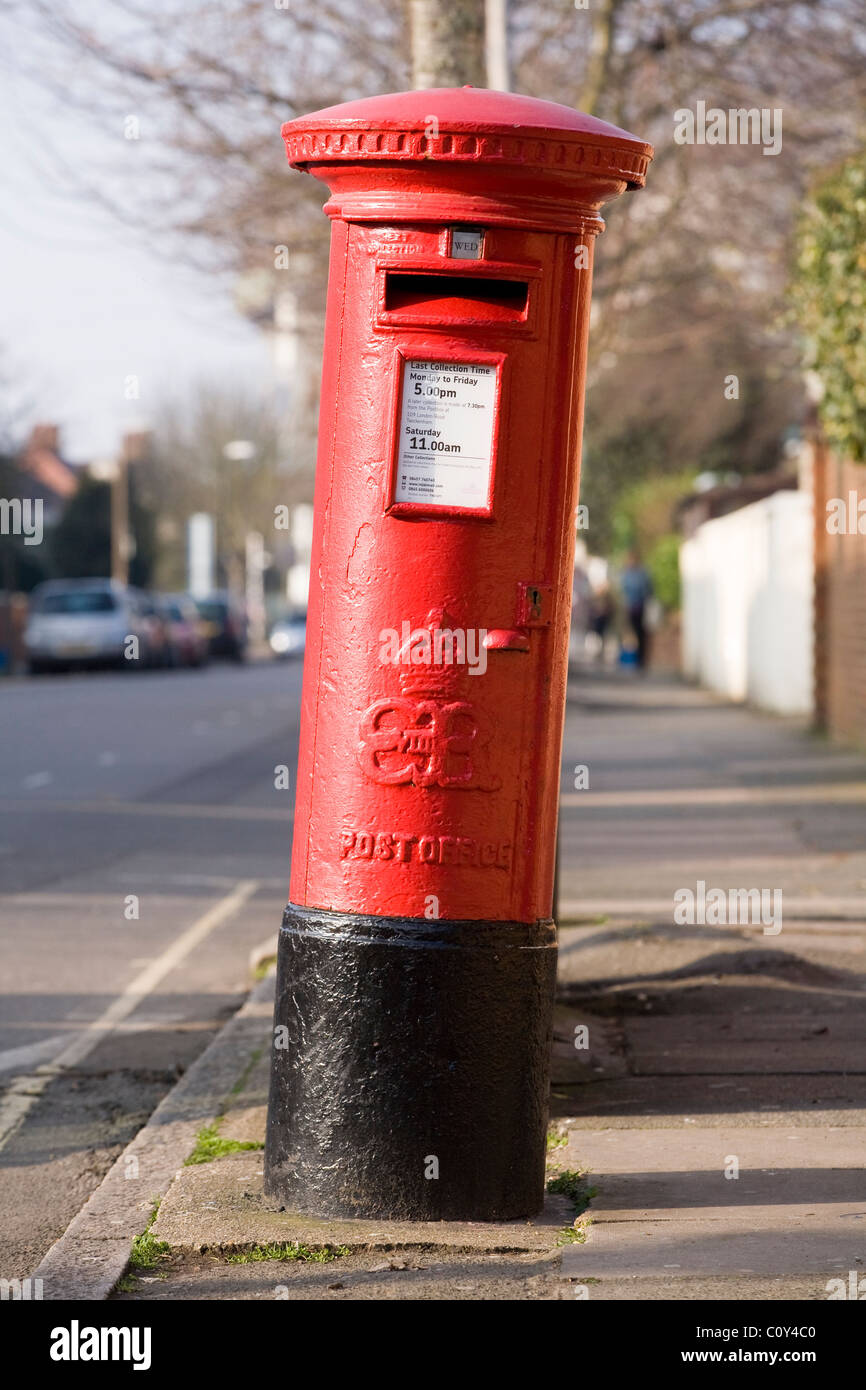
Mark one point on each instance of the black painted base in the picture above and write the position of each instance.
(410, 1067)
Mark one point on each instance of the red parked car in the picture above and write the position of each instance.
(187, 642)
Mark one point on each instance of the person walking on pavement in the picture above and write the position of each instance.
(602, 614)
(636, 588)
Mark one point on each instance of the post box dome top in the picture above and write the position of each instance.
(458, 124)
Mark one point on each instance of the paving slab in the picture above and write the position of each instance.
(811, 1101)
(707, 1248)
(664, 1205)
(245, 1112)
(221, 1206)
(695, 1288)
(825, 1041)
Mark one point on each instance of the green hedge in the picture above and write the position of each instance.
(829, 301)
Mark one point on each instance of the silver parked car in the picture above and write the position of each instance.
(289, 635)
(76, 623)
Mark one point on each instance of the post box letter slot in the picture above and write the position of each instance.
(456, 298)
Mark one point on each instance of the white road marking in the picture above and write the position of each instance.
(26, 1090)
(109, 807)
(16, 1058)
(37, 779)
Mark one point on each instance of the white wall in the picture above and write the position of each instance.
(747, 604)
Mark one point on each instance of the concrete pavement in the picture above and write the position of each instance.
(683, 786)
(720, 1107)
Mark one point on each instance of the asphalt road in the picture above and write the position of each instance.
(144, 853)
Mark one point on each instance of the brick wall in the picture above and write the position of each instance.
(840, 602)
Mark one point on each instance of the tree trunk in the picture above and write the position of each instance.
(604, 20)
(447, 39)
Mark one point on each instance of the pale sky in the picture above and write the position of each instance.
(84, 303)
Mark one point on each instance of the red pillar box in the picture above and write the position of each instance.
(417, 954)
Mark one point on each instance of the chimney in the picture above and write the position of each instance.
(45, 437)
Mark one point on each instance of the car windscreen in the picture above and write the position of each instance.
(212, 612)
(77, 601)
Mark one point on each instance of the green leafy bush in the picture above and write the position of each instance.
(663, 563)
(829, 301)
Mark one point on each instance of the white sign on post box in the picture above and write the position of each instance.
(445, 443)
